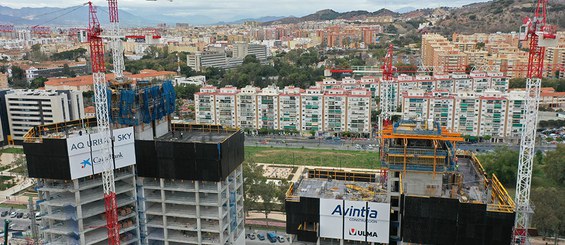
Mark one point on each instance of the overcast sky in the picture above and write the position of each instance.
(226, 9)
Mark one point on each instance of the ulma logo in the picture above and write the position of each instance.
(86, 162)
(353, 232)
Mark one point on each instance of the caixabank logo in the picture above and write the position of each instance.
(98, 160)
(362, 233)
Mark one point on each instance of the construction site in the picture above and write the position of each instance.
(436, 194)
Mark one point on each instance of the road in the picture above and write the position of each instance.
(361, 144)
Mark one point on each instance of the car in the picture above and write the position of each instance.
(4, 213)
(13, 214)
(260, 236)
(311, 137)
(281, 239)
(26, 216)
(20, 215)
(251, 236)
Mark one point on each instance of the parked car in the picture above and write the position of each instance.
(26, 216)
(13, 214)
(272, 237)
(252, 236)
(260, 236)
(20, 215)
(281, 239)
(4, 213)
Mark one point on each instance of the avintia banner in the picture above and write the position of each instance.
(354, 220)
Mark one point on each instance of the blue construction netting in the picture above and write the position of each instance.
(126, 113)
(170, 96)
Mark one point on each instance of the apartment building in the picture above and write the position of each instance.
(225, 101)
(247, 109)
(314, 109)
(268, 104)
(205, 104)
(358, 111)
(241, 49)
(334, 111)
(489, 113)
(311, 118)
(290, 108)
(28, 108)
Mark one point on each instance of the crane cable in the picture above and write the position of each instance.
(57, 17)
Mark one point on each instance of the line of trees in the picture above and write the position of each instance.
(548, 181)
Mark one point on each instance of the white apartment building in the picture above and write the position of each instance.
(289, 108)
(225, 102)
(312, 110)
(490, 113)
(29, 108)
(247, 110)
(311, 118)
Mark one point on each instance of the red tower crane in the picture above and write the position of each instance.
(541, 35)
(103, 124)
(387, 66)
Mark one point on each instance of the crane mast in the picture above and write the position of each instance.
(540, 35)
(103, 123)
(115, 41)
(387, 83)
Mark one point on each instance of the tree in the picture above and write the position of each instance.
(253, 176)
(503, 162)
(554, 165)
(186, 91)
(549, 216)
(67, 71)
(18, 77)
(250, 59)
(37, 82)
(268, 198)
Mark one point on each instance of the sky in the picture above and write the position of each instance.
(237, 9)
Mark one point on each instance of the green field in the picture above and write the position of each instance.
(313, 157)
(12, 150)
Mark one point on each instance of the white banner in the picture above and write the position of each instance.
(354, 220)
(331, 226)
(85, 156)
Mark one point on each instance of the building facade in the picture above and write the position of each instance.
(313, 110)
(29, 108)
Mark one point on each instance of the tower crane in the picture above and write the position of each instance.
(386, 87)
(103, 122)
(541, 35)
(115, 40)
(387, 84)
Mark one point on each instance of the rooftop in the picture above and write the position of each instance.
(214, 137)
(340, 184)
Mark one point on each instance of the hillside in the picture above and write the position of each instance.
(328, 14)
(62, 17)
(496, 16)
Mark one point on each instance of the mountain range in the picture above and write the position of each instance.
(492, 16)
